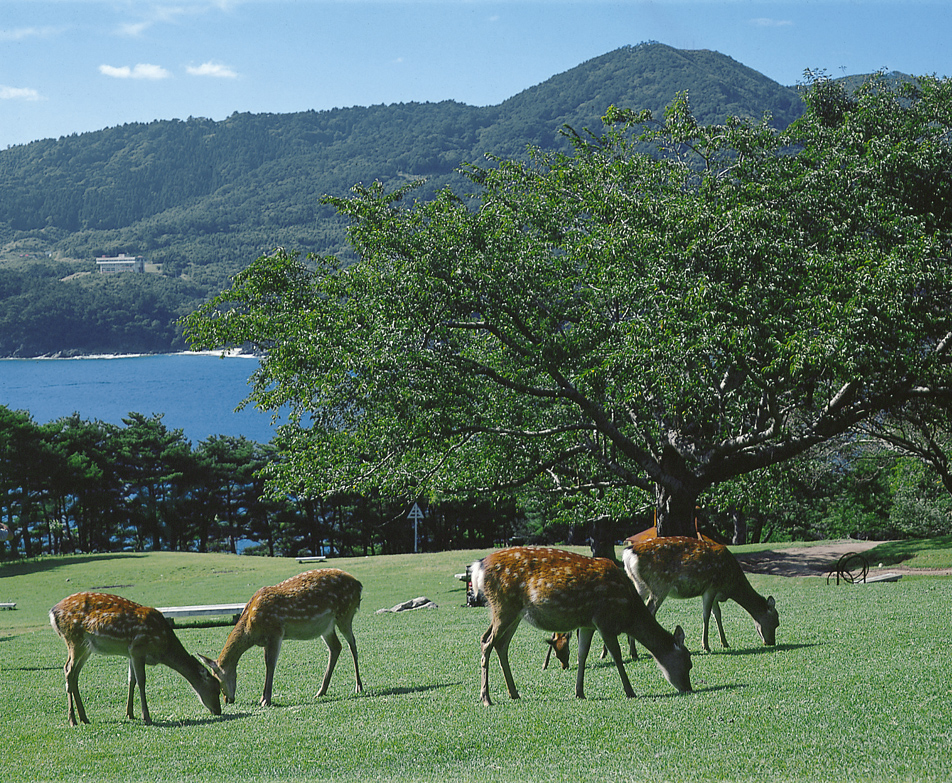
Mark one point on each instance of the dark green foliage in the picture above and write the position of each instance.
(41, 314)
(79, 486)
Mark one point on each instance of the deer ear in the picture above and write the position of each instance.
(213, 665)
(550, 641)
(771, 603)
(679, 636)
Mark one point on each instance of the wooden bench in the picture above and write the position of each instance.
(314, 559)
(202, 610)
(889, 577)
(8, 606)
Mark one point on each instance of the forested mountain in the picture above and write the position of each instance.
(203, 198)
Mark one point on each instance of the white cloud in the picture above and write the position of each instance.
(22, 33)
(217, 70)
(140, 71)
(18, 93)
(134, 29)
(764, 21)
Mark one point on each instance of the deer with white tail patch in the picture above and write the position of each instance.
(109, 625)
(560, 591)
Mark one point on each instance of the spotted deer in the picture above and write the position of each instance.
(305, 606)
(109, 625)
(561, 591)
(687, 568)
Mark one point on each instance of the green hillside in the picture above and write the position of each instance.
(201, 199)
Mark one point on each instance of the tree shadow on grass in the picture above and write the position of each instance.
(38, 565)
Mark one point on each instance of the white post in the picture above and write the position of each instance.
(416, 515)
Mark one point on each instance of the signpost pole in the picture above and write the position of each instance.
(416, 515)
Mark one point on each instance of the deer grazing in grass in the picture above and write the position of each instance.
(561, 591)
(109, 625)
(305, 606)
(686, 568)
(559, 644)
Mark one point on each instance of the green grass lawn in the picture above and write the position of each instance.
(858, 688)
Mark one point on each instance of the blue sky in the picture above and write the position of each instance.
(71, 66)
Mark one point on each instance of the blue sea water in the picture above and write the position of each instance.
(197, 393)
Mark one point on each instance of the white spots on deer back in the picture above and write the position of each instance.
(310, 600)
(685, 566)
(557, 590)
(109, 623)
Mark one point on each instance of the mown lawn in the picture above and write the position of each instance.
(858, 688)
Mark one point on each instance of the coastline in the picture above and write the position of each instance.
(229, 353)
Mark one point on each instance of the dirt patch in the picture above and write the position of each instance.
(820, 560)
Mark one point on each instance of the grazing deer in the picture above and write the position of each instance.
(561, 591)
(559, 644)
(305, 606)
(686, 568)
(109, 625)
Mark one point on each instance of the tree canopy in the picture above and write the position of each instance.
(667, 307)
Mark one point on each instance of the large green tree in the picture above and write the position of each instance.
(670, 306)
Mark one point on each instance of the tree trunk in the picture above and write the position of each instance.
(602, 540)
(740, 527)
(676, 511)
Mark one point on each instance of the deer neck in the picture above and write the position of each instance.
(653, 637)
(745, 595)
(238, 643)
(646, 630)
(177, 658)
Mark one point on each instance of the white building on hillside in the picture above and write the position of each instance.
(120, 263)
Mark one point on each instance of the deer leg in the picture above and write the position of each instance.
(271, 652)
(632, 648)
(707, 604)
(720, 626)
(548, 654)
(347, 630)
(74, 663)
(334, 647)
(611, 642)
(132, 690)
(584, 647)
(137, 674)
(486, 650)
(498, 639)
(502, 651)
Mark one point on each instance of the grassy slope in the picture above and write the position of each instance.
(857, 688)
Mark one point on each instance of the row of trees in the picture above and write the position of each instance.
(79, 486)
(86, 486)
